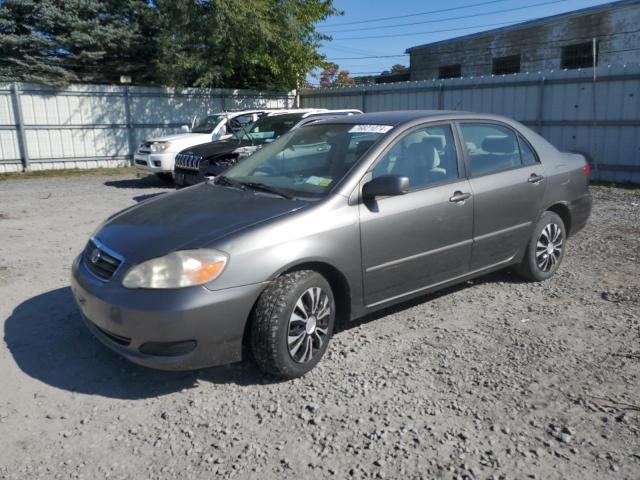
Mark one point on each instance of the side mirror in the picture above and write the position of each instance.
(185, 129)
(385, 186)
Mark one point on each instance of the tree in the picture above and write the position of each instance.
(57, 41)
(398, 68)
(328, 75)
(242, 43)
(27, 55)
(201, 43)
(332, 76)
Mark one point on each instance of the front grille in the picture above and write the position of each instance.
(141, 162)
(100, 261)
(188, 162)
(119, 339)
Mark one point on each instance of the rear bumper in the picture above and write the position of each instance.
(580, 210)
(155, 162)
(191, 328)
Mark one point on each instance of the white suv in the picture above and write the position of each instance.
(157, 155)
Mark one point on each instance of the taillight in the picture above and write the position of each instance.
(587, 170)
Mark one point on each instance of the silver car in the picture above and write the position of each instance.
(330, 222)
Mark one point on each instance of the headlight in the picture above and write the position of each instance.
(159, 146)
(178, 269)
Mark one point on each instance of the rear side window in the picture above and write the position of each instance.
(491, 148)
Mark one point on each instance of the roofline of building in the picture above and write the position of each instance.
(530, 23)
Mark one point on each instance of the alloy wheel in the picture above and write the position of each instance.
(308, 324)
(549, 247)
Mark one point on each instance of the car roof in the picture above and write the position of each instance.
(398, 117)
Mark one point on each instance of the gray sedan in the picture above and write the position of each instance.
(328, 223)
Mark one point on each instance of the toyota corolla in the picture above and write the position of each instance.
(328, 223)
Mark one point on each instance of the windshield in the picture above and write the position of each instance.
(308, 161)
(267, 129)
(207, 124)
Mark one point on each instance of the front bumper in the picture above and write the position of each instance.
(127, 321)
(185, 178)
(155, 162)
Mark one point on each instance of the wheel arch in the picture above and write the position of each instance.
(337, 281)
(562, 210)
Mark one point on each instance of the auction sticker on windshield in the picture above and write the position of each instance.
(320, 181)
(370, 129)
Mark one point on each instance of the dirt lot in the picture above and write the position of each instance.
(492, 379)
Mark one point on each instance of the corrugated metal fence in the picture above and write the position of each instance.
(84, 126)
(599, 118)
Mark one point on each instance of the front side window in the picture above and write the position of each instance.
(267, 129)
(308, 161)
(491, 148)
(208, 124)
(425, 156)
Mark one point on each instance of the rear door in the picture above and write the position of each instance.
(414, 241)
(507, 181)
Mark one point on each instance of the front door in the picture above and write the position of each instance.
(414, 241)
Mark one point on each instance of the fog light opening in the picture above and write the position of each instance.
(168, 349)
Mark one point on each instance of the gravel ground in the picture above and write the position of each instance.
(491, 379)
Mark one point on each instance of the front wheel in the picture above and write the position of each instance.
(545, 249)
(292, 324)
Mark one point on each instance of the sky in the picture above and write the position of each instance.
(430, 23)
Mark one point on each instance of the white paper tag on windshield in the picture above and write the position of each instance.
(370, 129)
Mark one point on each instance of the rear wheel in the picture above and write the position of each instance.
(545, 249)
(292, 324)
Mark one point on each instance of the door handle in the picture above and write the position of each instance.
(535, 178)
(459, 197)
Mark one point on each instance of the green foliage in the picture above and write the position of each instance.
(201, 43)
(240, 43)
(399, 68)
(58, 41)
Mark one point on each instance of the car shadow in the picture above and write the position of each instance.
(49, 342)
(148, 181)
(500, 276)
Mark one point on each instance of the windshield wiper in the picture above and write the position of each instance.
(266, 188)
(222, 180)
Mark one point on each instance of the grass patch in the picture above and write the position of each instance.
(71, 172)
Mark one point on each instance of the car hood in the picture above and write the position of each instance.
(179, 136)
(213, 149)
(190, 218)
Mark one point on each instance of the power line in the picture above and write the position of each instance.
(373, 56)
(514, 22)
(526, 45)
(510, 46)
(380, 19)
(449, 18)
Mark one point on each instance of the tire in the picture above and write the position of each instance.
(280, 311)
(541, 260)
(165, 176)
